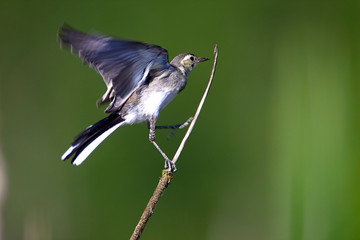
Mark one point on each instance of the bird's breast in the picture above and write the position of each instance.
(149, 104)
(155, 101)
(150, 99)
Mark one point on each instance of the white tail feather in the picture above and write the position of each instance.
(69, 151)
(91, 147)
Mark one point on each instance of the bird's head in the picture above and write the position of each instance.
(186, 62)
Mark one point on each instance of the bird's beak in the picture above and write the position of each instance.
(202, 59)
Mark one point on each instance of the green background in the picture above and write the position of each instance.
(275, 152)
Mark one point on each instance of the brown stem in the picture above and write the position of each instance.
(163, 183)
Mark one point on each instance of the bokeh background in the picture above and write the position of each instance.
(275, 152)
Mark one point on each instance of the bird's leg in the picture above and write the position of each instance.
(168, 164)
(175, 127)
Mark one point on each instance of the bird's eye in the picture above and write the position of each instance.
(192, 58)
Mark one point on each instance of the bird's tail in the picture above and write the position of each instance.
(87, 141)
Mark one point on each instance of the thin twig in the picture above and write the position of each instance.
(166, 175)
(182, 144)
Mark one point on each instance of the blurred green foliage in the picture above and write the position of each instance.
(274, 154)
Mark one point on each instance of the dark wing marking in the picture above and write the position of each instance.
(124, 65)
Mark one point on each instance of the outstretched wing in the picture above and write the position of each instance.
(124, 65)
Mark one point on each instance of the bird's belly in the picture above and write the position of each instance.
(156, 101)
(149, 105)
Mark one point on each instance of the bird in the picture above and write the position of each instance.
(140, 83)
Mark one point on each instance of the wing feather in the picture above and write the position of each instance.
(124, 65)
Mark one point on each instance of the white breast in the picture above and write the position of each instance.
(151, 105)
(151, 99)
(156, 101)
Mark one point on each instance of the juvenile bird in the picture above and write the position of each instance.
(140, 83)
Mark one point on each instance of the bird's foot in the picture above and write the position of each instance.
(170, 166)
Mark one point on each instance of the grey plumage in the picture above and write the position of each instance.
(139, 78)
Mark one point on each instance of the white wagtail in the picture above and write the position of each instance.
(140, 83)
